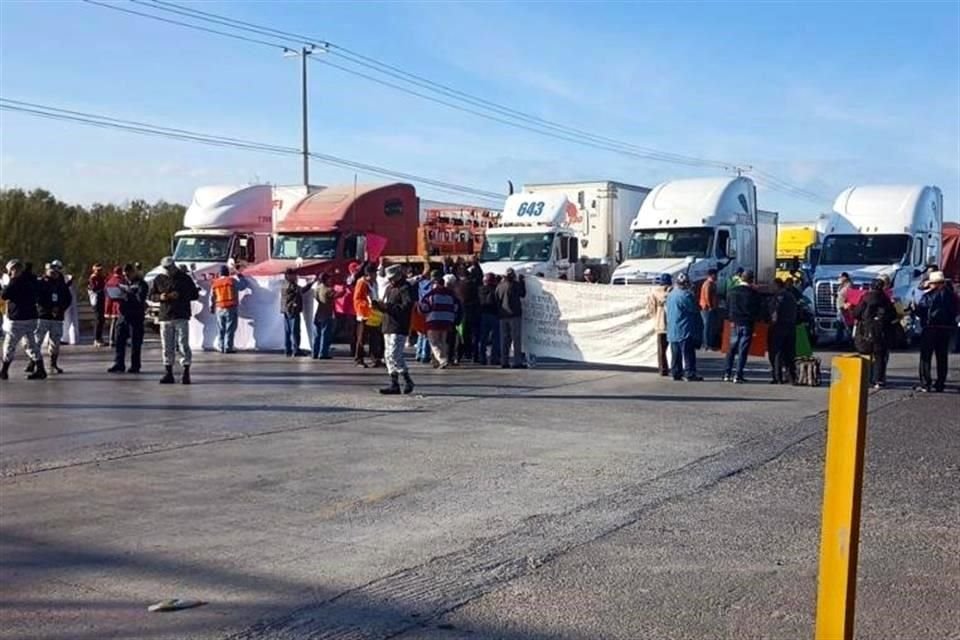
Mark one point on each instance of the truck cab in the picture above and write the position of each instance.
(691, 226)
(797, 246)
(876, 230)
(534, 237)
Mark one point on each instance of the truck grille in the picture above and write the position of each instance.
(827, 298)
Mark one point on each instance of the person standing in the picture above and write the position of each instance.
(174, 289)
(782, 336)
(683, 330)
(657, 309)
(323, 318)
(743, 309)
(489, 332)
(224, 303)
(96, 290)
(362, 294)
(455, 335)
(133, 310)
(875, 316)
(509, 295)
(843, 309)
(21, 297)
(470, 292)
(396, 304)
(291, 306)
(53, 300)
(937, 311)
(709, 308)
(343, 305)
(440, 308)
(424, 285)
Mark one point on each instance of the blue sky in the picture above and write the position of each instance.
(824, 95)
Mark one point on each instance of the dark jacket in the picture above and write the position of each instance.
(179, 283)
(876, 315)
(743, 305)
(397, 305)
(487, 296)
(938, 308)
(133, 306)
(509, 297)
(53, 298)
(21, 297)
(783, 310)
(291, 299)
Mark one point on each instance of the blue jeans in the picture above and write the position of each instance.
(423, 348)
(740, 337)
(323, 337)
(709, 327)
(488, 335)
(683, 359)
(226, 328)
(291, 334)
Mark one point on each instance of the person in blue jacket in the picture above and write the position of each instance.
(684, 329)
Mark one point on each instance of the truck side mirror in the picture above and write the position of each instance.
(731, 248)
(619, 255)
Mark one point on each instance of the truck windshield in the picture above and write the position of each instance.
(307, 245)
(202, 249)
(860, 249)
(530, 247)
(672, 243)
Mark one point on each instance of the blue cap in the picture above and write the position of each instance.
(664, 279)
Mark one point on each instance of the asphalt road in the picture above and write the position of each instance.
(560, 502)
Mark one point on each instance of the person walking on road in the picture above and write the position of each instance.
(21, 297)
(133, 311)
(657, 309)
(509, 295)
(937, 310)
(743, 309)
(396, 304)
(440, 308)
(323, 318)
(224, 304)
(53, 300)
(683, 330)
(709, 308)
(174, 289)
(96, 290)
(291, 306)
(875, 316)
(782, 336)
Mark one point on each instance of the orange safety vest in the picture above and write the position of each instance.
(224, 292)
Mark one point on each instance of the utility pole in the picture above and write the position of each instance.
(304, 52)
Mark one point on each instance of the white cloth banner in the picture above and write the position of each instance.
(259, 322)
(584, 322)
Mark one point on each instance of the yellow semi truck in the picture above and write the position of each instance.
(795, 243)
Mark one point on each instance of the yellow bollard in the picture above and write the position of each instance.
(843, 479)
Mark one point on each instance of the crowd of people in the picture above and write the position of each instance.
(457, 313)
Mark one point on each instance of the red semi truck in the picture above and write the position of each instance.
(329, 229)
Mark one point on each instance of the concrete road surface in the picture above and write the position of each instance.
(560, 502)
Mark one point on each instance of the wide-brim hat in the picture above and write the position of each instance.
(936, 277)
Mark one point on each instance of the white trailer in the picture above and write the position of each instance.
(691, 226)
(875, 230)
(560, 229)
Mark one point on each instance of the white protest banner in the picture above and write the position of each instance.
(259, 321)
(584, 322)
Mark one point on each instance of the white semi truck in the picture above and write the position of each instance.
(561, 229)
(875, 230)
(228, 225)
(690, 226)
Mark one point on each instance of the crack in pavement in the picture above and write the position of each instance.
(408, 599)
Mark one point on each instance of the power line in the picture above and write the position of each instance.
(504, 115)
(142, 128)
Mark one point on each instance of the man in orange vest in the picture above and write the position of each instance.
(709, 308)
(224, 298)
